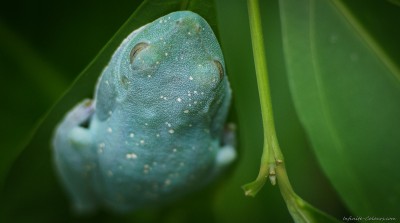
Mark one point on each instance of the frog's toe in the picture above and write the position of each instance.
(226, 155)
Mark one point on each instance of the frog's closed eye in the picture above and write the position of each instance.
(220, 69)
(136, 50)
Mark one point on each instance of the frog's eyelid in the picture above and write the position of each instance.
(136, 49)
(220, 69)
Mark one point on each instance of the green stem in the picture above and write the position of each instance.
(272, 161)
(271, 152)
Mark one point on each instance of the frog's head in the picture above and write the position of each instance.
(174, 65)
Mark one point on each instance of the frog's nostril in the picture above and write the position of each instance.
(198, 28)
(178, 21)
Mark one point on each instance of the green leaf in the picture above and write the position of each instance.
(19, 61)
(31, 191)
(346, 91)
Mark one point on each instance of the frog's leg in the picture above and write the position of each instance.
(74, 158)
(227, 153)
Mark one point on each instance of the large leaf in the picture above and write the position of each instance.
(346, 91)
(31, 190)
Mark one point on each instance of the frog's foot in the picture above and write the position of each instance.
(72, 145)
(227, 153)
(79, 116)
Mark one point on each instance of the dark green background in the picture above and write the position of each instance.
(44, 45)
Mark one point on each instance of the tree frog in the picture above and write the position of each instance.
(155, 128)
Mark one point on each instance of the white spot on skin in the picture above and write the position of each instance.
(109, 130)
(101, 148)
(110, 173)
(174, 150)
(167, 182)
(131, 156)
(191, 78)
(146, 124)
(179, 99)
(109, 112)
(168, 124)
(149, 76)
(107, 82)
(189, 33)
(158, 135)
(186, 111)
(131, 135)
(190, 125)
(166, 54)
(157, 62)
(146, 168)
(142, 141)
(171, 131)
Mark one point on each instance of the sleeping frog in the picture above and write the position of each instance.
(155, 129)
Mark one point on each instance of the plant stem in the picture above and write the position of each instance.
(271, 151)
(272, 161)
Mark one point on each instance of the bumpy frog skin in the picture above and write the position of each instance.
(154, 130)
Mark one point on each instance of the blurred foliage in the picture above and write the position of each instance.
(44, 45)
(346, 90)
